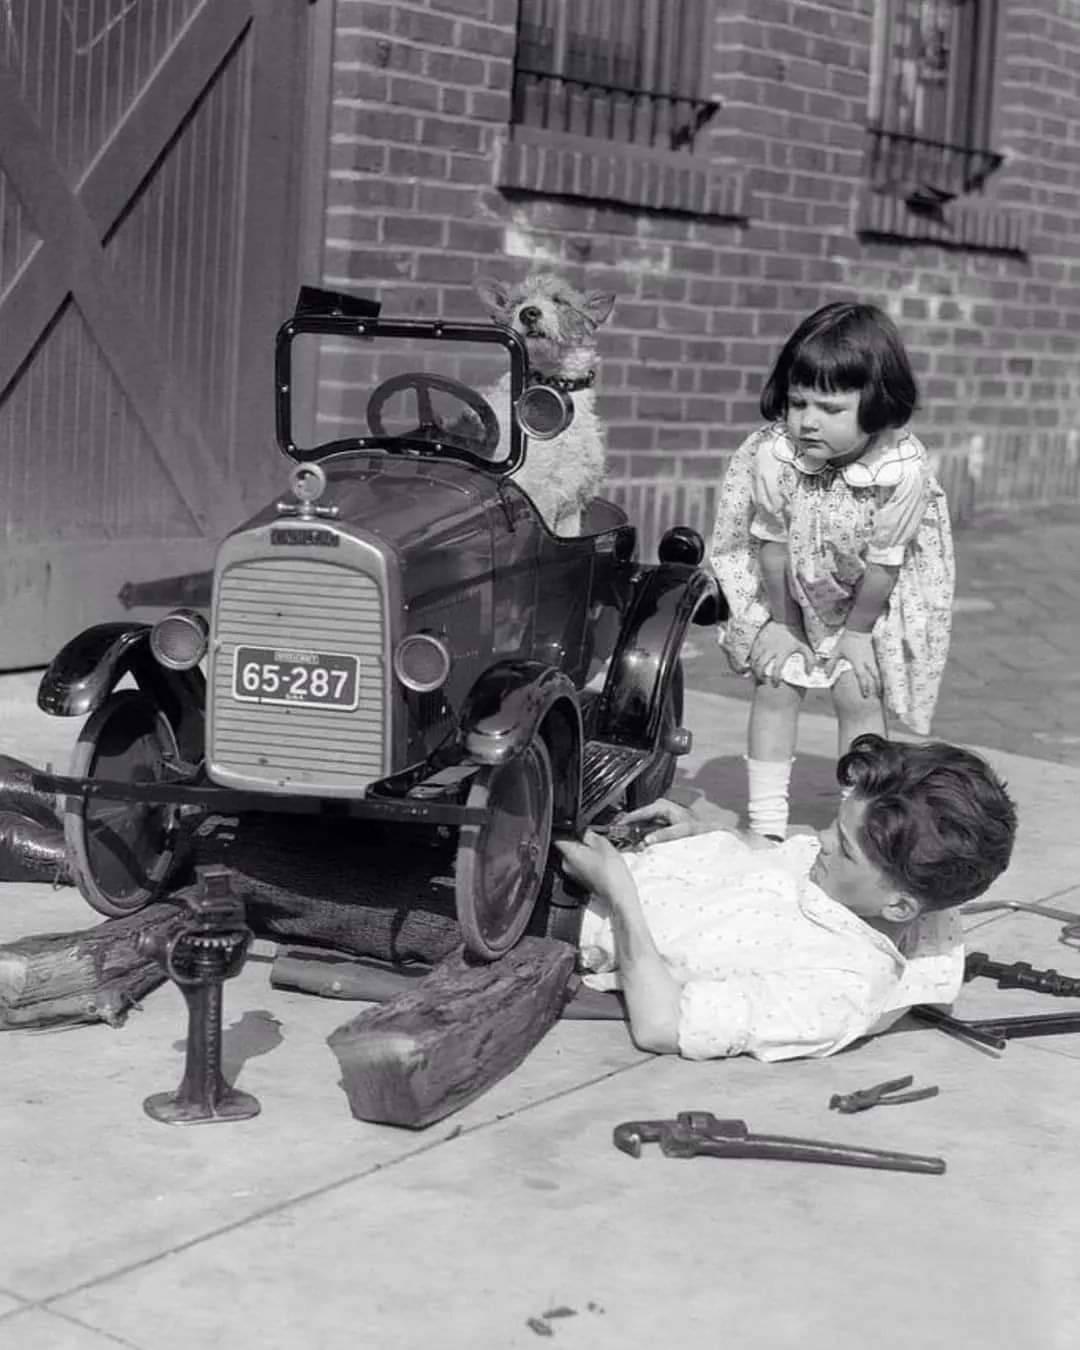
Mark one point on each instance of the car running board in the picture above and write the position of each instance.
(605, 771)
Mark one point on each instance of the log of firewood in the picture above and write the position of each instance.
(354, 886)
(31, 834)
(428, 1051)
(361, 887)
(331, 975)
(94, 975)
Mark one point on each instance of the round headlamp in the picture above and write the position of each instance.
(682, 544)
(179, 640)
(544, 412)
(422, 662)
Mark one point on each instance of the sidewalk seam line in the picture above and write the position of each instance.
(318, 1191)
(70, 1318)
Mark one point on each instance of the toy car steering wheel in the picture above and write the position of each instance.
(429, 427)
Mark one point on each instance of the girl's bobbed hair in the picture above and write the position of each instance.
(842, 348)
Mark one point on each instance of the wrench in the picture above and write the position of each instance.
(699, 1133)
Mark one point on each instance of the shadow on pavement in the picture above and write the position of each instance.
(256, 1032)
(814, 790)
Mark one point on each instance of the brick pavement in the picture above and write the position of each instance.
(1013, 678)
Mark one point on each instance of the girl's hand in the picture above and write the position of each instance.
(858, 649)
(594, 863)
(672, 821)
(771, 649)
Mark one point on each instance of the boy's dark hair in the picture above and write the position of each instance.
(841, 348)
(939, 822)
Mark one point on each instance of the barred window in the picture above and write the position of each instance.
(931, 99)
(629, 71)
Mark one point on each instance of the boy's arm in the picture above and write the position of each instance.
(651, 991)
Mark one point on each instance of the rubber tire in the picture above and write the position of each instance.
(95, 847)
(523, 845)
(655, 781)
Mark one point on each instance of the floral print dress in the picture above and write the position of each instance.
(886, 507)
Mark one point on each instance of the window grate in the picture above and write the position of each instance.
(931, 104)
(619, 70)
(926, 170)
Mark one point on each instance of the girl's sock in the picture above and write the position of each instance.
(768, 795)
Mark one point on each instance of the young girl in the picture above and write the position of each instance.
(833, 548)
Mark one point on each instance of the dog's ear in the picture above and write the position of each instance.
(599, 305)
(494, 294)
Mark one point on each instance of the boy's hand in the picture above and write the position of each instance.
(771, 649)
(594, 863)
(858, 650)
(672, 821)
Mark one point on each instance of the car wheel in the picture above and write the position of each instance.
(121, 851)
(654, 781)
(500, 863)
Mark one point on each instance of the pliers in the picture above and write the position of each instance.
(883, 1094)
(699, 1133)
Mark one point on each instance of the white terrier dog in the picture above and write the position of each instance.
(558, 324)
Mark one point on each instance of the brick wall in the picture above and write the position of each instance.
(419, 147)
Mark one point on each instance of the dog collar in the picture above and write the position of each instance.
(568, 386)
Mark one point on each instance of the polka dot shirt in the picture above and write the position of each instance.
(770, 966)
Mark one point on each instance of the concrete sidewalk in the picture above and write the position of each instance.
(515, 1221)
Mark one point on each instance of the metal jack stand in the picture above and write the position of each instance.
(208, 950)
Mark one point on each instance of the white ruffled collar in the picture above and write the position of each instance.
(881, 466)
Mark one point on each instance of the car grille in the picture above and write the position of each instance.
(298, 603)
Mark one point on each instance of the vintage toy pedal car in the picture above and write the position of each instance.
(399, 638)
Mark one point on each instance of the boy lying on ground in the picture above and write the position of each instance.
(722, 946)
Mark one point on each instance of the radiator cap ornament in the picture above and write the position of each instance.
(308, 483)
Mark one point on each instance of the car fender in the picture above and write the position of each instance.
(509, 705)
(87, 669)
(665, 601)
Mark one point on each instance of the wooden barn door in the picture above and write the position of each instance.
(148, 223)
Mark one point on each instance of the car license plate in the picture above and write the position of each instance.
(297, 677)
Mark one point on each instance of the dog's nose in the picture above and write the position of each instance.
(530, 314)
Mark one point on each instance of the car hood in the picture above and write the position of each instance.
(430, 515)
(406, 503)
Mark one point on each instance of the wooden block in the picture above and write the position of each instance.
(31, 851)
(379, 892)
(94, 975)
(31, 833)
(428, 1051)
(331, 975)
